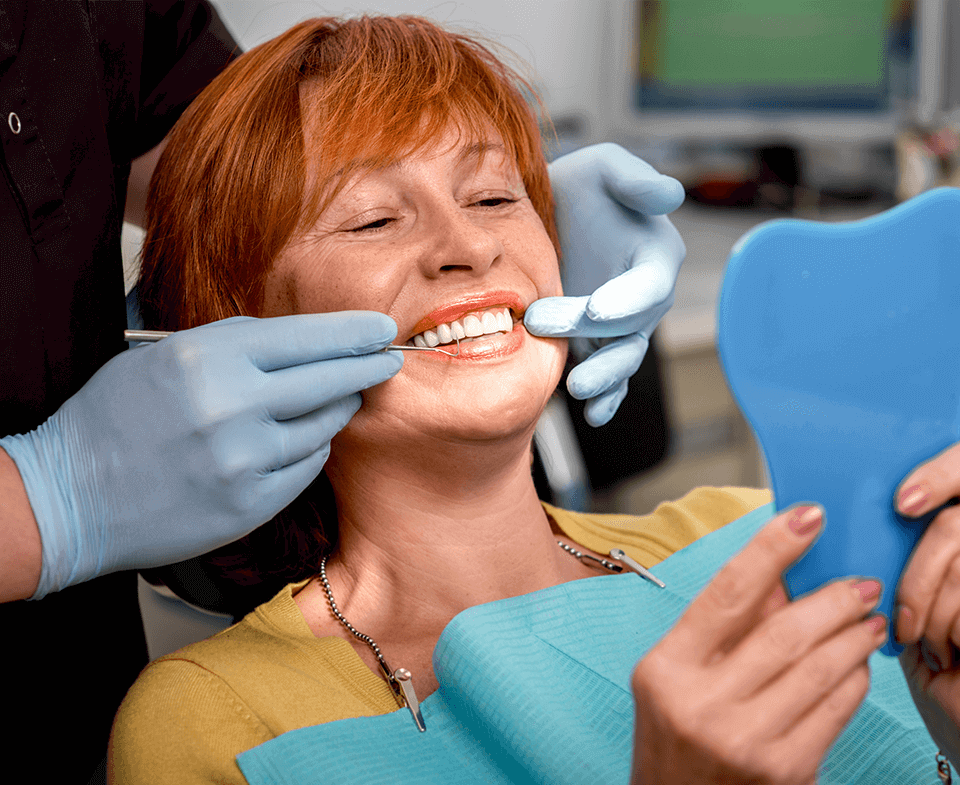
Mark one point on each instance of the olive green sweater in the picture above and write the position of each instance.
(190, 713)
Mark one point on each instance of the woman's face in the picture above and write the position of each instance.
(439, 244)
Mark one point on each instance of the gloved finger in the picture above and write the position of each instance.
(643, 292)
(637, 185)
(281, 487)
(607, 367)
(301, 437)
(600, 410)
(556, 317)
(566, 317)
(286, 484)
(298, 390)
(283, 341)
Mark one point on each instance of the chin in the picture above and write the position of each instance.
(507, 400)
(485, 405)
(492, 416)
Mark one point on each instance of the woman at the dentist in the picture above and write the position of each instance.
(429, 203)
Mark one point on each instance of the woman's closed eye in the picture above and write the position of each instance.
(367, 222)
(487, 203)
(372, 226)
(494, 201)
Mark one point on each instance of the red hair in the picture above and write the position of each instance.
(231, 190)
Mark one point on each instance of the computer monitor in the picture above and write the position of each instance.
(761, 71)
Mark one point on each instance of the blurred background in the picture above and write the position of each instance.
(830, 110)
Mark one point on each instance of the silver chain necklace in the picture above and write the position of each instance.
(401, 680)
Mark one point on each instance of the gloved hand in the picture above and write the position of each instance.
(177, 447)
(621, 256)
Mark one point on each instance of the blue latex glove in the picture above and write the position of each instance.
(177, 447)
(621, 256)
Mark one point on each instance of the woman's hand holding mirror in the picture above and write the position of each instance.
(747, 688)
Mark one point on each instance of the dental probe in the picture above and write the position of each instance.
(150, 336)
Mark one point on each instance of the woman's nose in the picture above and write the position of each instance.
(460, 243)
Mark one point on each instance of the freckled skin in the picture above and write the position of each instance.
(432, 475)
(412, 238)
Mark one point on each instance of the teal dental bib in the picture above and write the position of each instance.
(536, 689)
(841, 344)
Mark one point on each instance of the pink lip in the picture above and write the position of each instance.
(468, 304)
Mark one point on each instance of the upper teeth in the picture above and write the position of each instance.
(470, 326)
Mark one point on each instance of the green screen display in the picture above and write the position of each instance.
(745, 50)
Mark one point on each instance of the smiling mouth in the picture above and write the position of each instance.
(468, 328)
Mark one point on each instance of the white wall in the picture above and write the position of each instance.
(560, 39)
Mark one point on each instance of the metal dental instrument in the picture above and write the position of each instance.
(151, 336)
(620, 556)
(422, 349)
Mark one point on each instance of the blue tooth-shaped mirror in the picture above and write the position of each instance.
(841, 344)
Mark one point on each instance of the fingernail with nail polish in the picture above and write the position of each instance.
(805, 522)
(912, 499)
(877, 624)
(868, 590)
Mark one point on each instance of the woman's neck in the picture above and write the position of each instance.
(442, 528)
(426, 534)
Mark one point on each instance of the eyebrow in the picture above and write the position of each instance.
(477, 149)
(472, 151)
